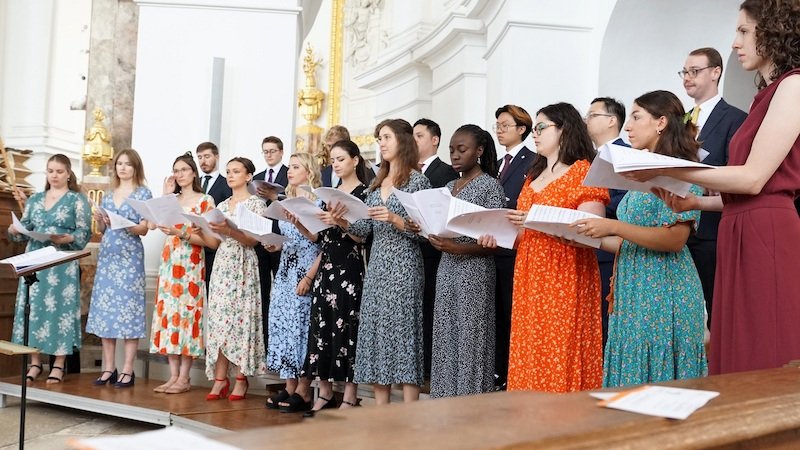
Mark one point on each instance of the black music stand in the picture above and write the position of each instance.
(29, 274)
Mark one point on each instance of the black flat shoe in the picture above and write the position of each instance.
(296, 403)
(110, 380)
(329, 404)
(281, 396)
(125, 384)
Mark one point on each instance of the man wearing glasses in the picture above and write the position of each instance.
(276, 172)
(513, 124)
(604, 121)
(716, 121)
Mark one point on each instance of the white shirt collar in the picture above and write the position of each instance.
(513, 152)
(427, 162)
(611, 141)
(705, 110)
(276, 168)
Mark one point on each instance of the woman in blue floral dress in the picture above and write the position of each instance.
(63, 212)
(117, 308)
(290, 301)
(656, 325)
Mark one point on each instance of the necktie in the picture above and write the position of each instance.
(695, 114)
(506, 163)
(205, 183)
(271, 171)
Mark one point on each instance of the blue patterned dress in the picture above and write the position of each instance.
(655, 332)
(289, 313)
(390, 346)
(117, 309)
(55, 319)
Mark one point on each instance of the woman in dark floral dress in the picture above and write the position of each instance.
(336, 292)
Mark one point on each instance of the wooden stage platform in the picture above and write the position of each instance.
(189, 410)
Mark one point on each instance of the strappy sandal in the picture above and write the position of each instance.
(55, 380)
(30, 378)
(295, 403)
(329, 404)
(281, 396)
(351, 404)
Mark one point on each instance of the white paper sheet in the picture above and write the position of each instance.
(661, 401)
(115, 220)
(168, 438)
(487, 221)
(304, 209)
(202, 223)
(257, 227)
(555, 221)
(602, 174)
(356, 209)
(35, 235)
(160, 210)
(35, 257)
(626, 159)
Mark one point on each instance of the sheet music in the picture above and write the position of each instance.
(409, 203)
(164, 210)
(602, 174)
(626, 159)
(356, 209)
(266, 185)
(555, 221)
(304, 209)
(36, 257)
(202, 223)
(486, 221)
(661, 401)
(115, 220)
(35, 235)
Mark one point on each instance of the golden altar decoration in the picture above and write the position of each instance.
(309, 102)
(97, 151)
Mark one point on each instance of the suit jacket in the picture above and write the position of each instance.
(279, 178)
(715, 137)
(220, 190)
(440, 173)
(326, 173)
(513, 181)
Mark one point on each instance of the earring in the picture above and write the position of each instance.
(658, 131)
(479, 160)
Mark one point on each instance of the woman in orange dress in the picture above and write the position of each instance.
(556, 333)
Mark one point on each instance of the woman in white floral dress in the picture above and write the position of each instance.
(235, 335)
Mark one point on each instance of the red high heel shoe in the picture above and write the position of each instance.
(234, 397)
(222, 392)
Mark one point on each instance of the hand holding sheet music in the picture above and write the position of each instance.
(306, 212)
(35, 235)
(356, 209)
(555, 221)
(257, 227)
(165, 211)
(115, 221)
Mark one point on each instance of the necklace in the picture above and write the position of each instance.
(457, 188)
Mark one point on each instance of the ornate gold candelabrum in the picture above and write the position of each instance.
(309, 101)
(97, 151)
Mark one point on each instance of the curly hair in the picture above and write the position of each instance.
(309, 163)
(777, 33)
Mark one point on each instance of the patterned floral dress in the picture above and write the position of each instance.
(655, 332)
(464, 315)
(117, 308)
(335, 305)
(233, 315)
(390, 346)
(177, 327)
(289, 313)
(55, 318)
(556, 332)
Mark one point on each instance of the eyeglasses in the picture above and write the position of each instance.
(271, 151)
(692, 72)
(541, 126)
(593, 115)
(503, 127)
(183, 170)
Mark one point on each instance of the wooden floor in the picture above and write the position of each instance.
(188, 410)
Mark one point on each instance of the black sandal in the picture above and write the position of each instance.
(329, 403)
(56, 380)
(31, 378)
(296, 403)
(353, 405)
(281, 396)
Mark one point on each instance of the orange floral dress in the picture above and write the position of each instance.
(177, 327)
(556, 333)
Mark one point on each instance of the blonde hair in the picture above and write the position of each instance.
(309, 163)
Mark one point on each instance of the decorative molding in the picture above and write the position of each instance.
(536, 25)
(456, 79)
(394, 111)
(233, 5)
(364, 35)
(335, 62)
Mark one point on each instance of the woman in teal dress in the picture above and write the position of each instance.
(55, 319)
(656, 324)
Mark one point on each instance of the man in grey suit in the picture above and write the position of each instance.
(717, 122)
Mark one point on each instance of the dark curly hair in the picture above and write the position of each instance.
(678, 137)
(777, 33)
(575, 143)
(482, 139)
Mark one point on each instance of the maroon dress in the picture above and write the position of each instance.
(756, 320)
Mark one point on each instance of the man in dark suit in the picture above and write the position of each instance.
(427, 134)
(335, 134)
(717, 122)
(213, 184)
(276, 172)
(604, 121)
(513, 125)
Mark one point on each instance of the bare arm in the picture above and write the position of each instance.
(661, 239)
